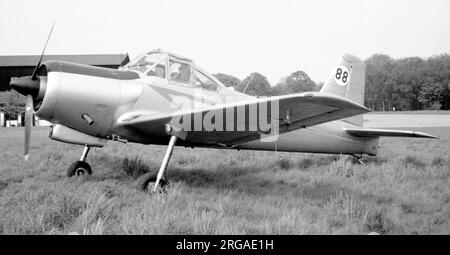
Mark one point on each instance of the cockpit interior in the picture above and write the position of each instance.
(175, 69)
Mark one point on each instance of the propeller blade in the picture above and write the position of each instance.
(34, 75)
(28, 123)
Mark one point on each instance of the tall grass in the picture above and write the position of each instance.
(405, 190)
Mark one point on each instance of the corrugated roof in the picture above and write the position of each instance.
(94, 59)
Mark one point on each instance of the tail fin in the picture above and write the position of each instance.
(348, 80)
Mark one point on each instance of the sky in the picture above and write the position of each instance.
(237, 37)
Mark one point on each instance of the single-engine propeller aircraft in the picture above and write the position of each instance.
(163, 98)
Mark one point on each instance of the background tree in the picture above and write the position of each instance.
(296, 82)
(228, 80)
(430, 94)
(408, 76)
(407, 84)
(11, 103)
(257, 85)
(438, 69)
(378, 85)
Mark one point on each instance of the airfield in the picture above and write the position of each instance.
(404, 190)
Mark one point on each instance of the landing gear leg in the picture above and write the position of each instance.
(80, 167)
(165, 161)
(85, 153)
(160, 182)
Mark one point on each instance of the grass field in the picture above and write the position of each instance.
(404, 190)
(407, 119)
(423, 112)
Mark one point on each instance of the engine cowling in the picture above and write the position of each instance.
(84, 98)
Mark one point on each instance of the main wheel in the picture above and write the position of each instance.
(79, 168)
(147, 181)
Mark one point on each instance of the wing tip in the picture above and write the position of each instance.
(425, 135)
(387, 132)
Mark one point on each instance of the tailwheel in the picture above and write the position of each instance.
(148, 180)
(79, 168)
(360, 159)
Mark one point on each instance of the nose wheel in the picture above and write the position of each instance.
(80, 167)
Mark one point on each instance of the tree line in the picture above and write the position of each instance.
(408, 84)
(411, 83)
(405, 84)
(256, 84)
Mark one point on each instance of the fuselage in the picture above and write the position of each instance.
(73, 92)
(329, 137)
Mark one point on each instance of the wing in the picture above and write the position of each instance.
(386, 132)
(290, 112)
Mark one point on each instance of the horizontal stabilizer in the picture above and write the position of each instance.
(386, 132)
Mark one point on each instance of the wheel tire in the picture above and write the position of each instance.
(79, 168)
(145, 180)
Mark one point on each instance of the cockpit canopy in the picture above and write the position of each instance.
(175, 69)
